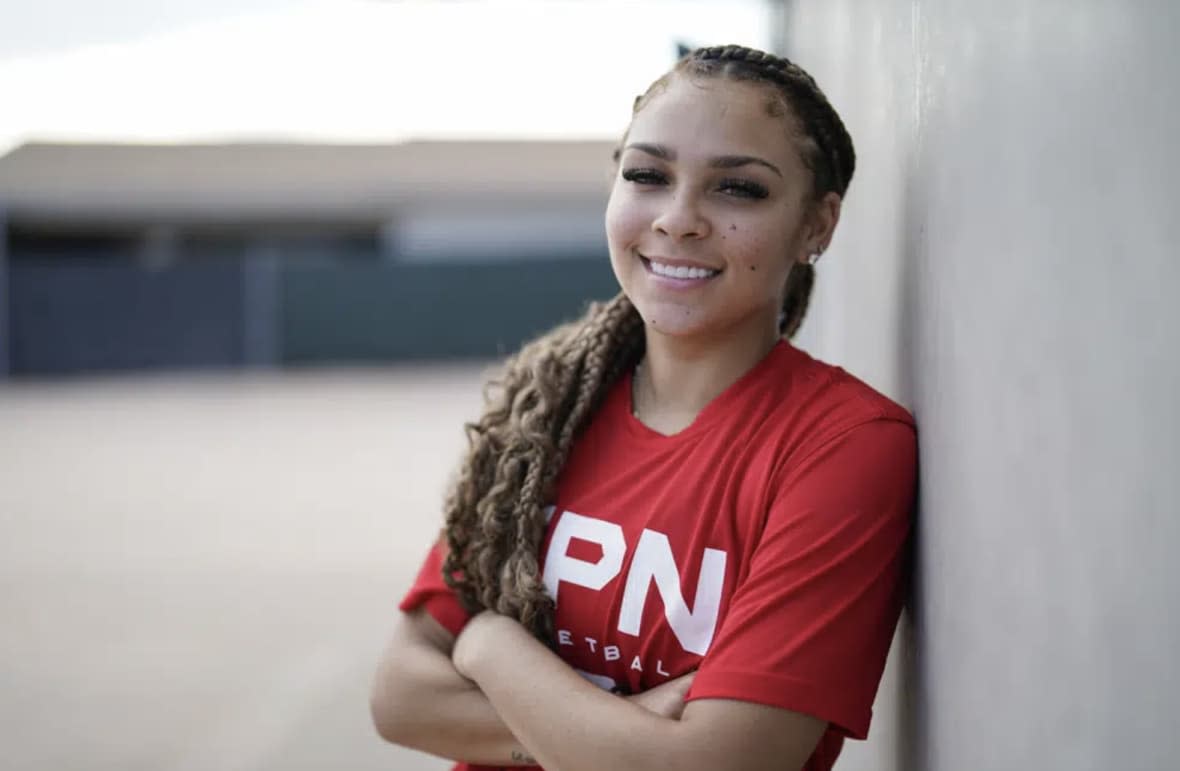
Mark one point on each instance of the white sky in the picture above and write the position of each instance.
(342, 70)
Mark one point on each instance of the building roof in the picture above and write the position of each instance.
(80, 184)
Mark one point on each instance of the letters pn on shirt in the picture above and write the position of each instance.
(652, 561)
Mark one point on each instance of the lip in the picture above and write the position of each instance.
(676, 263)
(675, 283)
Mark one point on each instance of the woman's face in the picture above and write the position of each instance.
(707, 212)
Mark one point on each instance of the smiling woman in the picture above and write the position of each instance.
(673, 437)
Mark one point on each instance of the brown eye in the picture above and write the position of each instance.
(743, 188)
(644, 176)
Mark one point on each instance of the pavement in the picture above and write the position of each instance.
(198, 573)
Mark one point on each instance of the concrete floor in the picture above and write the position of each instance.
(198, 573)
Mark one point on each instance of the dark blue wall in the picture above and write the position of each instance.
(384, 312)
(73, 314)
(5, 310)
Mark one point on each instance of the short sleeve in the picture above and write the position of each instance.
(810, 623)
(431, 592)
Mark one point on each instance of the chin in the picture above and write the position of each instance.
(684, 320)
(677, 321)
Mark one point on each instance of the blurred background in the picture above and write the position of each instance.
(257, 257)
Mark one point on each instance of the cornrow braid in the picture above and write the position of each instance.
(495, 512)
(820, 121)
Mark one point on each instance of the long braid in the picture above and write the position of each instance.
(800, 281)
(495, 513)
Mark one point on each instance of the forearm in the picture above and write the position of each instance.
(420, 701)
(570, 724)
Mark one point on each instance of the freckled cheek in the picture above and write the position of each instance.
(749, 251)
(759, 259)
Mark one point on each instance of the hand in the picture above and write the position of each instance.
(484, 629)
(666, 699)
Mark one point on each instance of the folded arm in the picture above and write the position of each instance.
(419, 700)
(571, 725)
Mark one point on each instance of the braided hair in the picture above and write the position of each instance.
(495, 516)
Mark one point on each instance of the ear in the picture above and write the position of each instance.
(819, 226)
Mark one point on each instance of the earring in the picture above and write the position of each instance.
(814, 257)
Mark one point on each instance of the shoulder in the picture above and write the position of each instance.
(830, 391)
(802, 390)
(813, 405)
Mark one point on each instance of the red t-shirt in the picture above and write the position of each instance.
(763, 546)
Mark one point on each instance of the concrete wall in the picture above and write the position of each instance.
(1007, 267)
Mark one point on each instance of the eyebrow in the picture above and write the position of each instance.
(720, 162)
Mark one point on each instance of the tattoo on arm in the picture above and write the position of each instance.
(523, 757)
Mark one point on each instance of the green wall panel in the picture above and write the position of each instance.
(386, 311)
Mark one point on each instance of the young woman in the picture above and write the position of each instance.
(677, 540)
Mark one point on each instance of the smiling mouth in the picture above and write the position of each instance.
(677, 272)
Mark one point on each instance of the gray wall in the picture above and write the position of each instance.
(1006, 267)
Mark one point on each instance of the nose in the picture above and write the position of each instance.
(681, 217)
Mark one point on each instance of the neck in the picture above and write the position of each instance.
(680, 376)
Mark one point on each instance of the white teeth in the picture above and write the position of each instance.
(679, 271)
